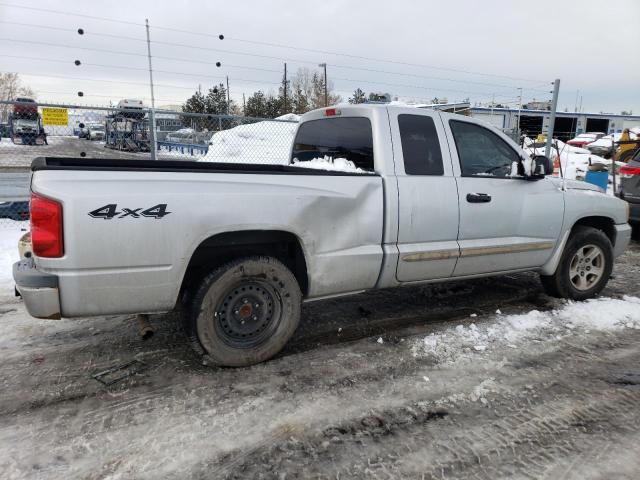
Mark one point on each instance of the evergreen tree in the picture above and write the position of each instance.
(274, 106)
(216, 100)
(300, 101)
(195, 104)
(256, 105)
(358, 97)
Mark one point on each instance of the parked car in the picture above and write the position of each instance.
(604, 146)
(95, 132)
(184, 135)
(419, 196)
(25, 108)
(630, 187)
(585, 138)
(131, 108)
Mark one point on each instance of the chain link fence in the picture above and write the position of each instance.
(29, 130)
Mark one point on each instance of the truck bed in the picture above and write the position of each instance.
(117, 259)
(114, 164)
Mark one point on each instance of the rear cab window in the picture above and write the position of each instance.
(344, 137)
(420, 146)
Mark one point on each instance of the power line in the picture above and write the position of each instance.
(198, 47)
(49, 44)
(59, 12)
(276, 45)
(136, 83)
(262, 81)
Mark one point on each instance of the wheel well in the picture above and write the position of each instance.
(601, 223)
(224, 247)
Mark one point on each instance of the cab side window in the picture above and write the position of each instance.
(420, 146)
(482, 153)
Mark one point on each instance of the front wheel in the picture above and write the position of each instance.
(244, 312)
(584, 268)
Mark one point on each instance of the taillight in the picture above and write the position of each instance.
(627, 171)
(332, 112)
(46, 227)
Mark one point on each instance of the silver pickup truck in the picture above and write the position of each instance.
(239, 247)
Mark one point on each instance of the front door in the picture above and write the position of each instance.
(506, 223)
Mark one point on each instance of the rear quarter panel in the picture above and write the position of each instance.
(133, 265)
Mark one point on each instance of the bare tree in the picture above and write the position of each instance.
(11, 87)
(308, 89)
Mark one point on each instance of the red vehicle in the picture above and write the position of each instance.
(585, 138)
(26, 109)
(25, 124)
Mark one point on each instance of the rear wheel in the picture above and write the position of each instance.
(584, 268)
(244, 312)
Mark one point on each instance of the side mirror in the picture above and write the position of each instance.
(541, 166)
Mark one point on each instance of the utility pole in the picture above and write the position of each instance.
(285, 87)
(244, 106)
(228, 97)
(326, 97)
(552, 119)
(152, 116)
(519, 111)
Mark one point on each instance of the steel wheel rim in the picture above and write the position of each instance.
(248, 314)
(587, 267)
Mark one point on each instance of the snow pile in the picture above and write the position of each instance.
(266, 142)
(328, 163)
(10, 233)
(603, 314)
(606, 140)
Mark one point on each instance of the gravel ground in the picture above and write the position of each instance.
(358, 393)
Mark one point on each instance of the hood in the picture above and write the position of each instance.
(577, 185)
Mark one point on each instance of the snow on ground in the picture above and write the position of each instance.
(464, 342)
(266, 142)
(10, 233)
(329, 163)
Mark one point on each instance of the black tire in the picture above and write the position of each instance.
(560, 284)
(244, 312)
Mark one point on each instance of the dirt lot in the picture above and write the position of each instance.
(424, 382)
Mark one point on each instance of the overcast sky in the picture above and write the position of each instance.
(415, 49)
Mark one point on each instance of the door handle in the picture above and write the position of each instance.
(478, 198)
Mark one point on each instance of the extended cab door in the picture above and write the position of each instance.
(506, 223)
(428, 198)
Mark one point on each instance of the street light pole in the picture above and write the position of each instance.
(326, 97)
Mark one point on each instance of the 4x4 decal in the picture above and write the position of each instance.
(110, 211)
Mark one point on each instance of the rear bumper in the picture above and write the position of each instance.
(39, 290)
(623, 237)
